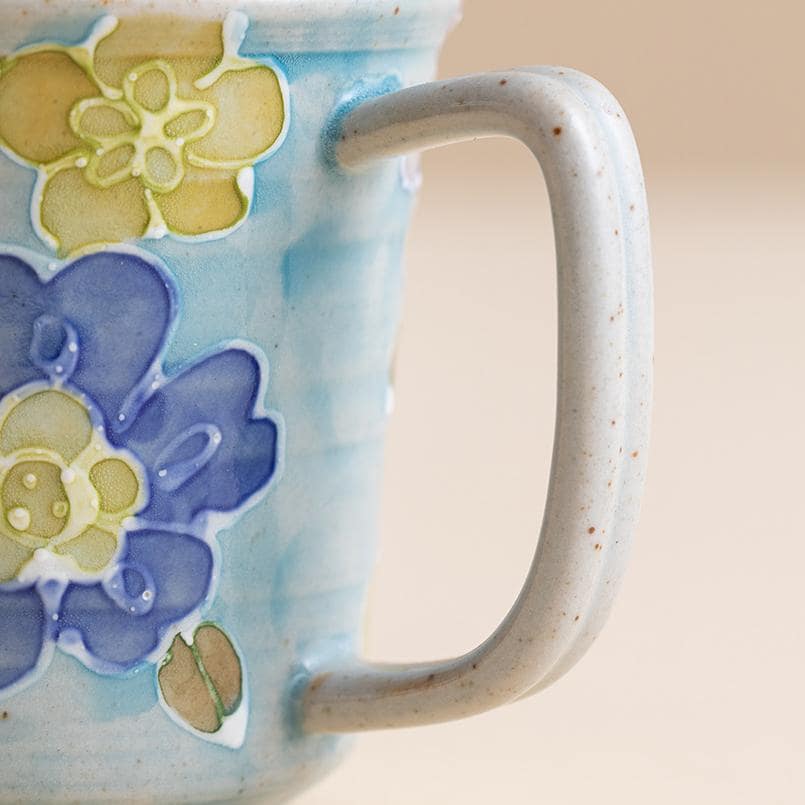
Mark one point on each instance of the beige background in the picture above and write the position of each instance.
(695, 691)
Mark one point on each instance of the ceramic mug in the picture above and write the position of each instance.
(195, 195)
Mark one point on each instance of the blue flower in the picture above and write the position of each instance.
(113, 476)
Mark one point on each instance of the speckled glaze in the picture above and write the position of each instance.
(310, 282)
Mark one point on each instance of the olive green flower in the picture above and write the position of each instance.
(150, 127)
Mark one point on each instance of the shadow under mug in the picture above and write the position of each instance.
(193, 195)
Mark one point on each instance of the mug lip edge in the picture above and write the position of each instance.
(280, 25)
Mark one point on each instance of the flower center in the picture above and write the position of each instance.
(63, 487)
(34, 499)
(142, 134)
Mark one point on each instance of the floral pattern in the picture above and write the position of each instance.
(114, 478)
(133, 146)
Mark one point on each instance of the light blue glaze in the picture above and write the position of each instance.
(313, 278)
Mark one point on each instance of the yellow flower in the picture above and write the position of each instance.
(64, 490)
(151, 126)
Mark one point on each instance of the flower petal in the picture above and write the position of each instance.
(117, 638)
(21, 302)
(192, 47)
(121, 307)
(77, 214)
(23, 629)
(116, 483)
(108, 168)
(51, 420)
(92, 550)
(200, 427)
(12, 558)
(37, 91)
(250, 116)
(99, 119)
(206, 201)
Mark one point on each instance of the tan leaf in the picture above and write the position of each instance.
(202, 683)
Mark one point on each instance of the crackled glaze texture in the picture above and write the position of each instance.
(198, 316)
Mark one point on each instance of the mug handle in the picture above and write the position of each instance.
(583, 142)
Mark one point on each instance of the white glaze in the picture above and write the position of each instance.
(580, 136)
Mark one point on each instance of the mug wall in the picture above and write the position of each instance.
(313, 280)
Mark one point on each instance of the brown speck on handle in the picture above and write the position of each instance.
(396, 11)
(591, 529)
(504, 81)
(613, 423)
(617, 232)
(599, 546)
(318, 682)
(475, 666)
(609, 484)
(631, 208)
(635, 454)
(4, 715)
(577, 618)
(557, 131)
(431, 677)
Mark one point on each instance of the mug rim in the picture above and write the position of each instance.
(276, 25)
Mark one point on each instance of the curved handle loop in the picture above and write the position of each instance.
(582, 140)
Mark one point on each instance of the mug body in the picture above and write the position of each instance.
(198, 311)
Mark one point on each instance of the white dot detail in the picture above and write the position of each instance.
(20, 518)
(29, 481)
(67, 476)
(81, 162)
